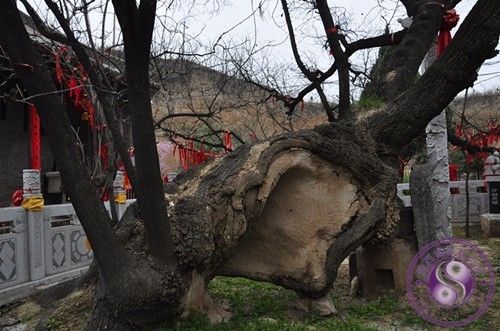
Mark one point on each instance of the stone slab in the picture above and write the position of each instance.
(382, 269)
(490, 225)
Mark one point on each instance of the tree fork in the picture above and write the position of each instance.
(405, 117)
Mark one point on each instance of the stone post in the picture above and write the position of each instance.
(120, 194)
(431, 204)
(32, 187)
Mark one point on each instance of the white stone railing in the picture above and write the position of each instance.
(41, 248)
(478, 198)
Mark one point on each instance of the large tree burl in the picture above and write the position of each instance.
(287, 210)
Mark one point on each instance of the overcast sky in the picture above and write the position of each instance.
(364, 17)
(361, 18)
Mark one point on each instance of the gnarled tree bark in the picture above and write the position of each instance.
(342, 176)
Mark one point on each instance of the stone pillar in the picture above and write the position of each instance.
(32, 187)
(427, 226)
(431, 204)
(35, 245)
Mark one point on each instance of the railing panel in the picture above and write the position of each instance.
(478, 198)
(66, 245)
(14, 267)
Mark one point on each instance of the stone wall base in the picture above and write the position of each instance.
(24, 290)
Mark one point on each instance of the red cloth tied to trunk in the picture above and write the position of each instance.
(450, 20)
(228, 143)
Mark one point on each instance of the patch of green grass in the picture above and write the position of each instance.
(260, 306)
(373, 309)
(370, 102)
(53, 324)
(250, 298)
(474, 231)
(263, 306)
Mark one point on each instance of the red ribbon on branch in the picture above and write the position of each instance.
(332, 29)
(228, 143)
(74, 80)
(449, 21)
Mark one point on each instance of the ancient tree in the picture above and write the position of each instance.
(236, 215)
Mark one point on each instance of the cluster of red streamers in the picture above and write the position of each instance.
(449, 21)
(74, 79)
(487, 138)
(190, 156)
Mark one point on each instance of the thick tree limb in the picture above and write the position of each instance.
(405, 117)
(341, 58)
(379, 41)
(137, 27)
(42, 27)
(402, 66)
